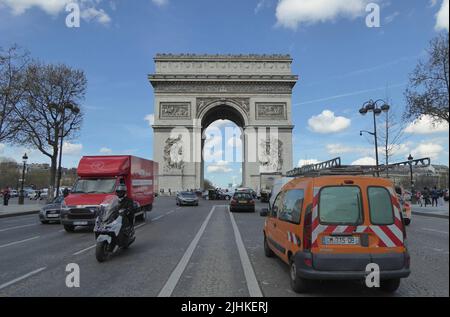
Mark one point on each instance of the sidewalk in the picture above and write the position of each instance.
(438, 212)
(19, 210)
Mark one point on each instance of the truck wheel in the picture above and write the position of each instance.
(298, 284)
(101, 252)
(267, 250)
(69, 228)
(390, 286)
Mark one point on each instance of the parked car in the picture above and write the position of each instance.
(13, 193)
(186, 198)
(333, 227)
(242, 201)
(52, 211)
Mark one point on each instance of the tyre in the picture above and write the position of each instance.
(69, 228)
(101, 252)
(267, 250)
(390, 286)
(45, 222)
(298, 284)
(407, 221)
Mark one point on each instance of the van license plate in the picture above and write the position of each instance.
(80, 223)
(340, 240)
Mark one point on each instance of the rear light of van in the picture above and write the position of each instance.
(307, 228)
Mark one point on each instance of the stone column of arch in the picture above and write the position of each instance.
(192, 91)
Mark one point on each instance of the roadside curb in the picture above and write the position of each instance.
(428, 214)
(16, 214)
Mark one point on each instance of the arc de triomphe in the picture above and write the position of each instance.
(193, 91)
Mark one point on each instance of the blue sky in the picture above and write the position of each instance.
(340, 61)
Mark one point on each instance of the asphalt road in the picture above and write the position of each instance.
(190, 251)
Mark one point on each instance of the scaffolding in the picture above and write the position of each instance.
(334, 167)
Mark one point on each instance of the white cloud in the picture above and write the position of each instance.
(160, 3)
(99, 15)
(105, 151)
(291, 13)
(89, 10)
(428, 149)
(2, 148)
(219, 124)
(52, 7)
(150, 118)
(425, 125)
(307, 162)
(72, 149)
(327, 122)
(219, 167)
(365, 161)
(442, 17)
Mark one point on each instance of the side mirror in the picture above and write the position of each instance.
(264, 212)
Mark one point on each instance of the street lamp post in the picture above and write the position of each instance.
(372, 106)
(75, 110)
(21, 194)
(410, 159)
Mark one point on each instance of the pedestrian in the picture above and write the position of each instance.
(426, 196)
(6, 196)
(441, 198)
(434, 197)
(419, 198)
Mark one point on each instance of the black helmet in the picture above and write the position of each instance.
(121, 190)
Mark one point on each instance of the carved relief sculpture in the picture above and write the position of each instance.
(175, 111)
(173, 154)
(271, 156)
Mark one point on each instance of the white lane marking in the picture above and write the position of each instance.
(175, 276)
(18, 227)
(62, 230)
(157, 218)
(84, 250)
(252, 283)
(21, 278)
(18, 242)
(434, 230)
(170, 212)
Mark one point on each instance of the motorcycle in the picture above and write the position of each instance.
(109, 230)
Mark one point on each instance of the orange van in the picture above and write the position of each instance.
(332, 227)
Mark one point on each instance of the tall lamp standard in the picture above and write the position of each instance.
(372, 106)
(75, 110)
(410, 160)
(21, 194)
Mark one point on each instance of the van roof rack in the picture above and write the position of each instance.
(334, 167)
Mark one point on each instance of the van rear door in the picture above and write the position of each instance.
(338, 242)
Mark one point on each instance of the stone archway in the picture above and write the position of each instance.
(192, 91)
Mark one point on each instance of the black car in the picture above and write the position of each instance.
(242, 201)
(187, 198)
(52, 211)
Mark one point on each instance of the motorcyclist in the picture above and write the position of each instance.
(127, 205)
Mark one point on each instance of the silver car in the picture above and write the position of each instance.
(51, 212)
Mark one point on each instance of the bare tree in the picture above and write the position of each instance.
(428, 91)
(51, 93)
(13, 63)
(391, 135)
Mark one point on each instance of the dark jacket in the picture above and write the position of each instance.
(128, 205)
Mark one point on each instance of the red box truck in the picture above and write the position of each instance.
(98, 177)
